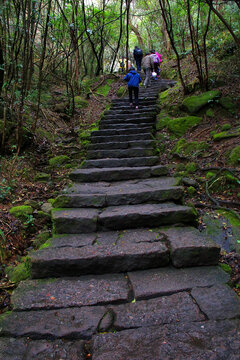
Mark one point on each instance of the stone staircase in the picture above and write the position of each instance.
(126, 275)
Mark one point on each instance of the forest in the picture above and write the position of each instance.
(60, 70)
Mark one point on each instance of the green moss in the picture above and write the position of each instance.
(226, 268)
(193, 104)
(210, 113)
(61, 202)
(191, 190)
(41, 239)
(42, 177)
(180, 167)
(180, 126)
(234, 158)
(104, 90)
(226, 103)
(233, 219)
(191, 167)
(80, 102)
(20, 272)
(210, 175)
(162, 122)
(121, 91)
(46, 244)
(185, 148)
(43, 215)
(224, 135)
(21, 211)
(226, 127)
(58, 160)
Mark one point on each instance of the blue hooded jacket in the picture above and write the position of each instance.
(133, 79)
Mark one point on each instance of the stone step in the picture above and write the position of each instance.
(139, 115)
(116, 174)
(117, 288)
(142, 342)
(122, 145)
(119, 153)
(132, 110)
(126, 162)
(133, 120)
(122, 251)
(116, 126)
(75, 221)
(120, 193)
(146, 100)
(121, 138)
(122, 131)
(118, 107)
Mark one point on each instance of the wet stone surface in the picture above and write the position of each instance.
(69, 292)
(191, 341)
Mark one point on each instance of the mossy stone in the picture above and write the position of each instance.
(226, 268)
(234, 158)
(210, 113)
(194, 103)
(224, 135)
(60, 202)
(51, 201)
(162, 122)
(191, 167)
(20, 272)
(179, 126)
(21, 212)
(42, 177)
(41, 239)
(43, 215)
(58, 160)
(226, 103)
(193, 148)
(80, 102)
(226, 127)
(34, 204)
(104, 89)
(191, 190)
(121, 91)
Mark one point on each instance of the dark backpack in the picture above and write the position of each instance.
(138, 52)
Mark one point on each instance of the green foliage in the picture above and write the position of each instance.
(193, 104)
(189, 149)
(234, 158)
(58, 160)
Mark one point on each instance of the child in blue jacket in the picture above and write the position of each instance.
(133, 79)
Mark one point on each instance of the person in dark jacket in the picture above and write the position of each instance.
(138, 55)
(133, 79)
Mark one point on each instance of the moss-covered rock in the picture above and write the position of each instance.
(234, 158)
(21, 211)
(40, 239)
(42, 177)
(121, 91)
(58, 160)
(178, 126)
(191, 190)
(61, 201)
(104, 89)
(184, 148)
(80, 102)
(226, 127)
(226, 103)
(224, 135)
(193, 104)
(191, 167)
(20, 272)
(34, 204)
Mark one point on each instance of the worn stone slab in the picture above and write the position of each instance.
(117, 126)
(98, 259)
(70, 323)
(26, 349)
(121, 131)
(121, 193)
(189, 247)
(217, 302)
(81, 323)
(122, 145)
(72, 240)
(164, 310)
(156, 282)
(119, 153)
(123, 116)
(108, 138)
(132, 216)
(126, 162)
(116, 174)
(73, 221)
(70, 292)
(192, 341)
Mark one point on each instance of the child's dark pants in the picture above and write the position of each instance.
(136, 90)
